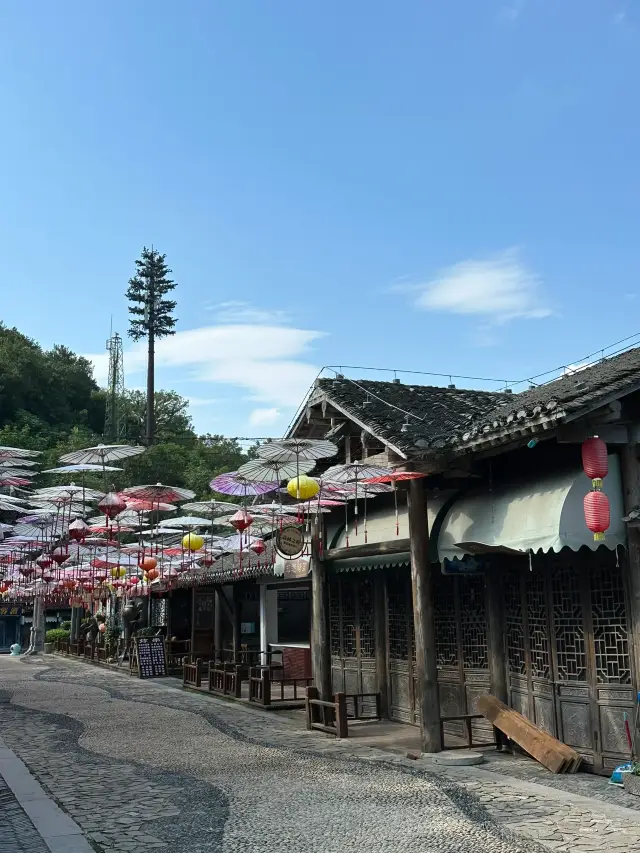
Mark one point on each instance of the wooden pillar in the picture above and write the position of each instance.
(496, 634)
(193, 620)
(320, 646)
(630, 468)
(423, 619)
(217, 621)
(237, 618)
(380, 635)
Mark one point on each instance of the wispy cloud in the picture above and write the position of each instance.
(620, 17)
(264, 417)
(268, 361)
(242, 312)
(511, 11)
(498, 289)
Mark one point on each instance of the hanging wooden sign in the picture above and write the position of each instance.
(290, 541)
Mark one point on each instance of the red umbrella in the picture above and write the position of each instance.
(394, 477)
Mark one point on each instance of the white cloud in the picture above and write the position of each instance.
(499, 289)
(202, 401)
(620, 17)
(264, 417)
(266, 360)
(243, 313)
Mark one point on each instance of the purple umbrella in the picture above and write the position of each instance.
(235, 484)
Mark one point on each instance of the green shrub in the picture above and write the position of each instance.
(65, 626)
(56, 634)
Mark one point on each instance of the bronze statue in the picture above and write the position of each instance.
(133, 619)
(89, 627)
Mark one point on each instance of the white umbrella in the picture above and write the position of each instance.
(101, 454)
(16, 462)
(69, 469)
(189, 521)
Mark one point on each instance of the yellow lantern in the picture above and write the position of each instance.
(192, 542)
(118, 572)
(303, 488)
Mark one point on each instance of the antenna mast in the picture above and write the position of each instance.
(114, 421)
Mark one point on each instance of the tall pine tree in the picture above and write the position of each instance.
(151, 314)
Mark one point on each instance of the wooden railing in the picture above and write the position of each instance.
(261, 684)
(468, 720)
(192, 674)
(89, 651)
(225, 679)
(330, 717)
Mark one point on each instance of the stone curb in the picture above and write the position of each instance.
(58, 831)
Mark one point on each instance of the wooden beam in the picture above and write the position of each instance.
(630, 470)
(224, 601)
(423, 619)
(371, 549)
(497, 636)
(237, 618)
(217, 618)
(380, 641)
(320, 643)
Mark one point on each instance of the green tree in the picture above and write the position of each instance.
(172, 419)
(151, 315)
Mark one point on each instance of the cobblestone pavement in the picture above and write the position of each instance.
(141, 767)
(139, 764)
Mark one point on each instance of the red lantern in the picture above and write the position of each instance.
(241, 520)
(112, 505)
(594, 458)
(258, 547)
(597, 513)
(47, 577)
(78, 530)
(26, 571)
(59, 555)
(45, 561)
(148, 564)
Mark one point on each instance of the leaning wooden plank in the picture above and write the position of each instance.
(547, 750)
(572, 756)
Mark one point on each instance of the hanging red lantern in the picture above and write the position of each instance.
(595, 460)
(148, 564)
(78, 530)
(241, 520)
(112, 505)
(45, 561)
(26, 571)
(258, 547)
(47, 577)
(597, 513)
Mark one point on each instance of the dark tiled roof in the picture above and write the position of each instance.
(583, 389)
(456, 418)
(436, 412)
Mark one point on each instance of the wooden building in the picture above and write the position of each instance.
(493, 583)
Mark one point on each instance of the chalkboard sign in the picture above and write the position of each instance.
(151, 657)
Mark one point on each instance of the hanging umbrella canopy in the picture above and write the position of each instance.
(211, 507)
(57, 493)
(101, 454)
(11, 504)
(16, 462)
(353, 472)
(158, 492)
(86, 468)
(297, 450)
(239, 542)
(14, 480)
(139, 505)
(9, 452)
(235, 484)
(190, 521)
(265, 470)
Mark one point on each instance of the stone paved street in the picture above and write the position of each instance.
(146, 766)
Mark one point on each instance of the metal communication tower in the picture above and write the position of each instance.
(114, 421)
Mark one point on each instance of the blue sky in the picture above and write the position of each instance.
(449, 187)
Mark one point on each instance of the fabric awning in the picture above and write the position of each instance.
(539, 516)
